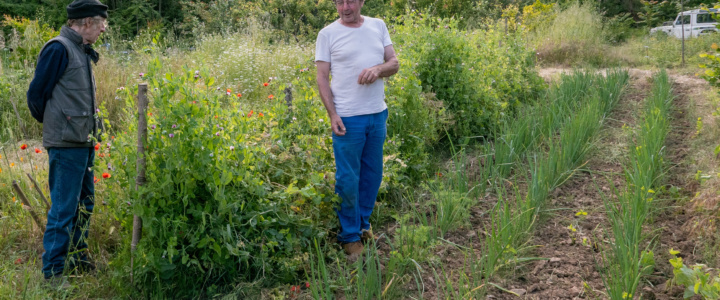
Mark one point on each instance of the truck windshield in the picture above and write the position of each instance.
(685, 20)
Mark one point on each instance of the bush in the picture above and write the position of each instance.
(480, 76)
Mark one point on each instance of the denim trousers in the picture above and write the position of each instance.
(359, 163)
(72, 192)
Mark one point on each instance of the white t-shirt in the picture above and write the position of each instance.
(349, 51)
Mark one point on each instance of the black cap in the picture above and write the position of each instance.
(79, 9)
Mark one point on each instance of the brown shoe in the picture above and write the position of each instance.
(353, 250)
(367, 236)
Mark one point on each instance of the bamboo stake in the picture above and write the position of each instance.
(26, 203)
(140, 179)
(37, 188)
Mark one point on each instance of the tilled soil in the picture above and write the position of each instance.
(572, 269)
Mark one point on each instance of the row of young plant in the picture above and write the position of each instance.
(561, 154)
(630, 258)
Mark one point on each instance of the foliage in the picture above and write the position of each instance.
(695, 279)
(538, 15)
(260, 202)
(27, 39)
(480, 76)
(712, 61)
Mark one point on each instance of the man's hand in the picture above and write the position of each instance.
(369, 75)
(337, 125)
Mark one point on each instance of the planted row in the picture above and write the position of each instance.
(630, 259)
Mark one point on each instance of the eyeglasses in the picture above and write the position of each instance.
(348, 2)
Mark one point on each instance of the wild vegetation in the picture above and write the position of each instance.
(239, 194)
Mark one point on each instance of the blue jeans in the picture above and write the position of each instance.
(359, 163)
(72, 192)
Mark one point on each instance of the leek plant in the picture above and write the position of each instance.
(630, 261)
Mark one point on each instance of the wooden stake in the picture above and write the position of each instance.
(37, 188)
(140, 179)
(26, 203)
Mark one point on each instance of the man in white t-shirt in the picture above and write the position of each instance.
(356, 50)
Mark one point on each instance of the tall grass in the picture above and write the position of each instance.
(630, 260)
(576, 36)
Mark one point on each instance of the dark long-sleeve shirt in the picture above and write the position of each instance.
(50, 67)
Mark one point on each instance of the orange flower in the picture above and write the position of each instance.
(97, 147)
(239, 95)
(106, 175)
(229, 91)
(261, 114)
(112, 137)
(271, 96)
(23, 146)
(12, 165)
(265, 84)
(95, 180)
(38, 150)
(250, 114)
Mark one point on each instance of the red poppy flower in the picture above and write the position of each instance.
(102, 155)
(229, 91)
(250, 114)
(106, 175)
(97, 147)
(239, 95)
(95, 180)
(271, 96)
(112, 137)
(23, 146)
(18, 261)
(307, 285)
(265, 84)
(261, 114)
(38, 150)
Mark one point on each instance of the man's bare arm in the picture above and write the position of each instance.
(323, 82)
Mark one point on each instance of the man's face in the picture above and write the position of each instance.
(92, 29)
(349, 10)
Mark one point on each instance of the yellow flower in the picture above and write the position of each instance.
(581, 213)
(651, 191)
(625, 295)
(21, 159)
(12, 165)
(649, 199)
(572, 228)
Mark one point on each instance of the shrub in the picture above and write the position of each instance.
(480, 76)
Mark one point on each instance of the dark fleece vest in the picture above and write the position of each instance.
(69, 119)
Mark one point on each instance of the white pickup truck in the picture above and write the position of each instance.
(693, 23)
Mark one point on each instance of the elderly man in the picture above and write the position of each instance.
(62, 96)
(356, 50)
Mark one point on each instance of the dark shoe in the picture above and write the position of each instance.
(353, 250)
(58, 282)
